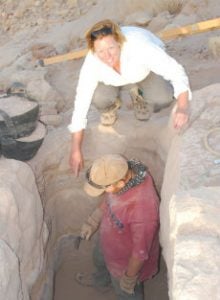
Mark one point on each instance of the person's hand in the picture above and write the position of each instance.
(127, 283)
(76, 162)
(91, 225)
(181, 112)
(76, 157)
(181, 118)
(87, 231)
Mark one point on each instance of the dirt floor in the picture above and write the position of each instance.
(80, 260)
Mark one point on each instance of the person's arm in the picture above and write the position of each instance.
(134, 266)
(129, 280)
(166, 66)
(92, 224)
(181, 115)
(84, 92)
(76, 156)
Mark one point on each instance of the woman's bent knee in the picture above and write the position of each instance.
(104, 96)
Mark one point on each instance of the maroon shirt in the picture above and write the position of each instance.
(129, 227)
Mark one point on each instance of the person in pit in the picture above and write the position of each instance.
(127, 220)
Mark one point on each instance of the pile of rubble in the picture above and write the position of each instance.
(15, 16)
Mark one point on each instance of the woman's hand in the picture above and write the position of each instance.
(76, 157)
(181, 118)
(76, 161)
(181, 115)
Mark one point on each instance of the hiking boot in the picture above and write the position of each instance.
(142, 110)
(88, 279)
(109, 117)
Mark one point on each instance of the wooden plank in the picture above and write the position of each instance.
(164, 35)
(64, 57)
(189, 29)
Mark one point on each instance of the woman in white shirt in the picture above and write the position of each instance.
(118, 57)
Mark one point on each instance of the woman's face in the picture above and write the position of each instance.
(108, 50)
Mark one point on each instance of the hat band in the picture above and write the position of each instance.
(95, 185)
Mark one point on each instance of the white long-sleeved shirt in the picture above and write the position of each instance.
(141, 53)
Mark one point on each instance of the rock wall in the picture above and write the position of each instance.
(190, 224)
(23, 233)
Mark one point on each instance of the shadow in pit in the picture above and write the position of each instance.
(157, 287)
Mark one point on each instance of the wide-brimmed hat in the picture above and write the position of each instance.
(105, 171)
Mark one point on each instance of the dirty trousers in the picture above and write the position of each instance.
(102, 278)
(157, 92)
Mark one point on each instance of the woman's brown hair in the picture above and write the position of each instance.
(101, 29)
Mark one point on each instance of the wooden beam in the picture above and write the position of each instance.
(189, 29)
(164, 35)
(64, 57)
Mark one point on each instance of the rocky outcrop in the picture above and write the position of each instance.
(23, 233)
(190, 207)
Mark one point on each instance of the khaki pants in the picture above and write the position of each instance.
(156, 91)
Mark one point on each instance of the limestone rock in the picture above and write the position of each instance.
(11, 285)
(214, 45)
(22, 230)
(49, 99)
(141, 18)
(189, 208)
(42, 50)
(159, 22)
(52, 120)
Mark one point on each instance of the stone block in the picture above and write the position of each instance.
(214, 46)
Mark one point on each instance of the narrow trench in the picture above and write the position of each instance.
(68, 261)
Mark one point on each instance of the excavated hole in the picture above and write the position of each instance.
(64, 261)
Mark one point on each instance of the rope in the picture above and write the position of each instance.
(206, 141)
